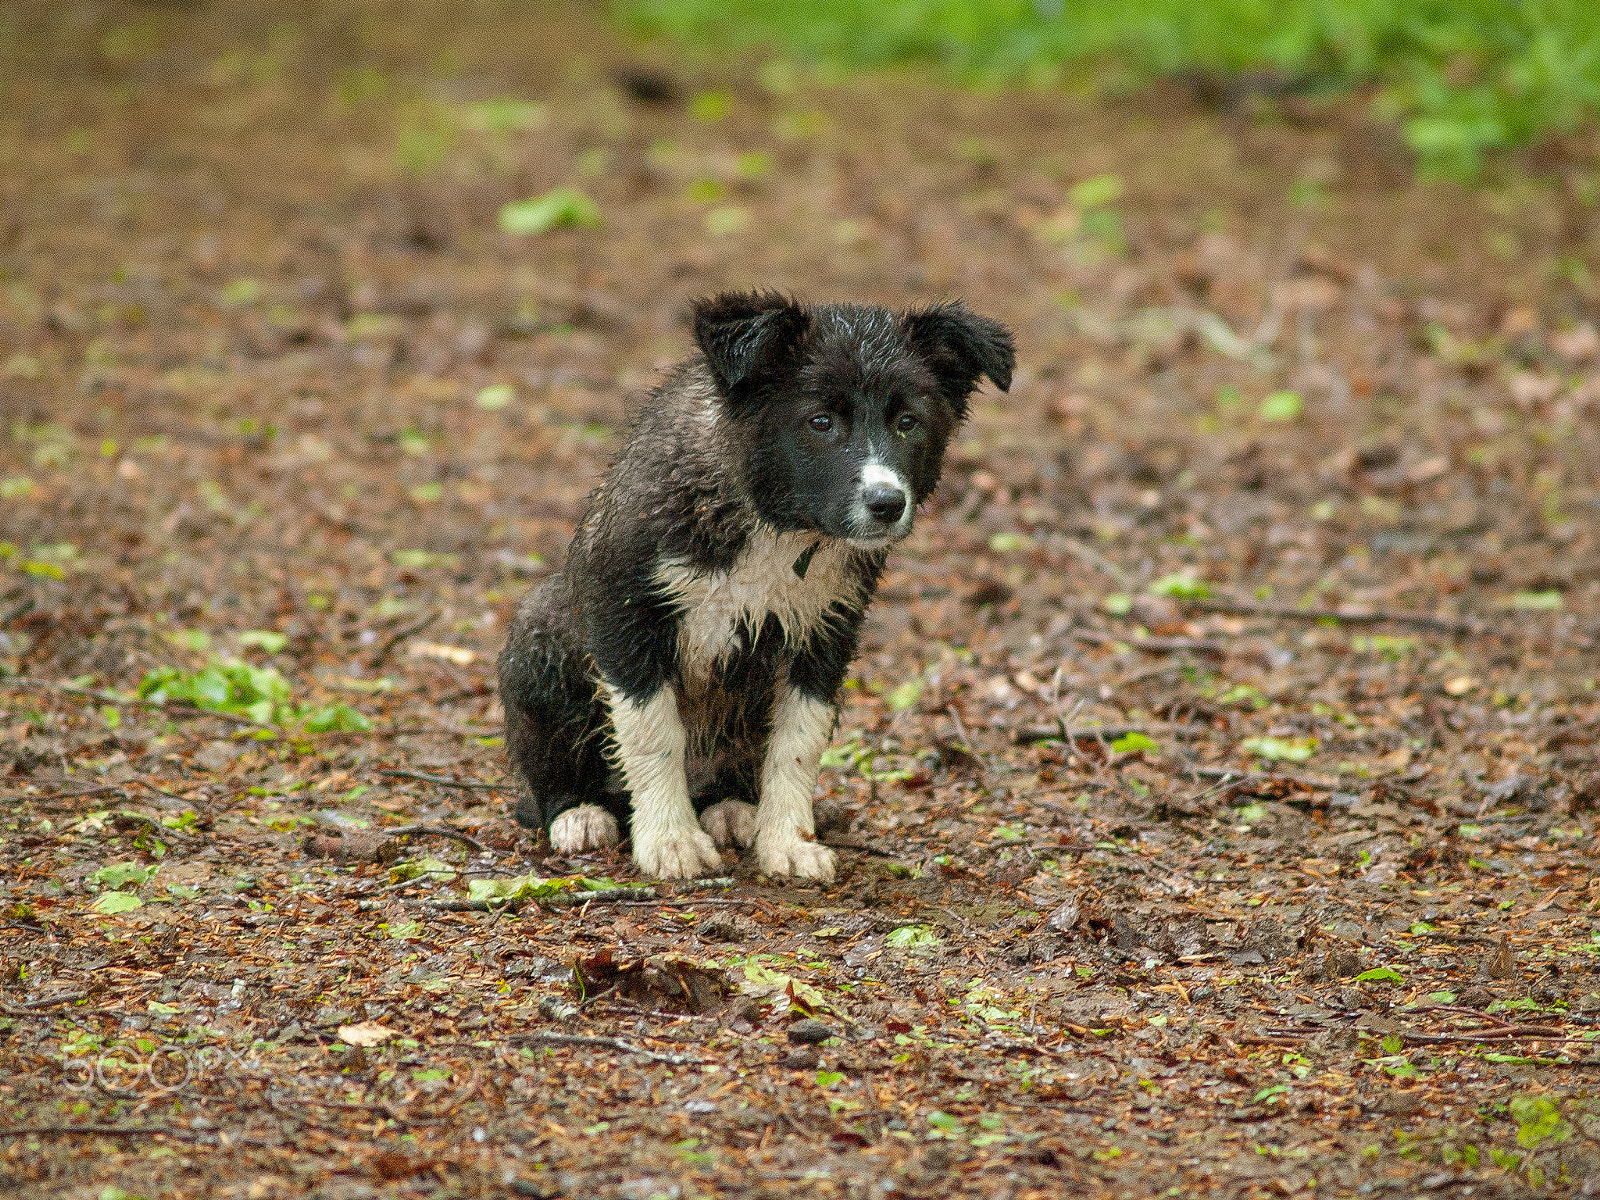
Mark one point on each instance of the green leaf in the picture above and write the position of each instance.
(1000, 543)
(1537, 601)
(117, 902)
(518, 888)
(726, 219)
(911, 937)
(495, 396)
(1118, 604)
(117, 875)
(557, 207)
(1282, 406)
(828, 1079)
(240, 292)
(1380, 975)
(264, 639)
(505, 115)
(1287, 749)
(711, 106)
(1129, 742)
(907, 694)
(945, 1125)
(1097, 192)
(1538, 1120)
(418, 560)
(1267, 1093)
(760, 980)
(1180, 586)
(416, 868)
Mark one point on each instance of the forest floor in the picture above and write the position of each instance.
(1215, 793)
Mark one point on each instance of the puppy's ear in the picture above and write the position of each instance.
(961, 346)
(746, 336)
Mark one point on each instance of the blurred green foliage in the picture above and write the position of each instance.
(1464, 77)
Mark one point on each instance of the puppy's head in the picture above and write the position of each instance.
(844, 410)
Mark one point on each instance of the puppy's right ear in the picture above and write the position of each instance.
(748, 336)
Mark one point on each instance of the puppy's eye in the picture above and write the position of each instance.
(822, 422)
(906, 422)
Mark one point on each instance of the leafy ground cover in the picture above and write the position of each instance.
(1215, 793)
(1464, 78)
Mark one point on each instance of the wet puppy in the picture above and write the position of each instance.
(686, 659)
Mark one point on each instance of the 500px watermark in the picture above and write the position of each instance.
(125, 1070)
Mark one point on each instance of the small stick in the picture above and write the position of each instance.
(32, 1006)
(111, 1130)
(439, 831)
(399, 635)
(445, 780)
(610, 1043)
(94, 791)
(1060, 733)
(1283, 612)
(558, 900)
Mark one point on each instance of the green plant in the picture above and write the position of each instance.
(1463, 77)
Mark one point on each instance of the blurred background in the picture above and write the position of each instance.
(321, 318)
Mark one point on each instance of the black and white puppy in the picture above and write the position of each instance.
(687, 657)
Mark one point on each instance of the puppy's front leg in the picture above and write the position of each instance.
(785, 831)
(667, 839)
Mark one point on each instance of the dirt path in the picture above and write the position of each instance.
(1215, 792)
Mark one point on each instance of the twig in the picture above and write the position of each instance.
(94, 791)
(172, 707)
(557, 900)
(445, 780)
(399, 635)
(161, 791)
(33, 1006)
(1232, 776)
(1096, 560)
(20, 610)
(110, 1130)
(1213, 647)
(1060, 733)
(1348, 616)
(610, 1043)
(439, 831)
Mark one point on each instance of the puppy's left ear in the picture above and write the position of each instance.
(748, 336)
(961, 347)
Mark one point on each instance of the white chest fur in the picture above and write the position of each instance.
(721, 610)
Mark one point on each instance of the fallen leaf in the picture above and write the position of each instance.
(366, 1033)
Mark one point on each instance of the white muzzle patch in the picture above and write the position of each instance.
(883, 507)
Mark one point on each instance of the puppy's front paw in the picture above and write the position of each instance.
(730, 823)
(688, 854)
(587, 827)
(790, 854)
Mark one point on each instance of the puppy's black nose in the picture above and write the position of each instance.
(884, 501)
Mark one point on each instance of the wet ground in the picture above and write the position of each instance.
(1215, 791)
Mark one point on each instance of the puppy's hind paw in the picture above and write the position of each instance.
(730, 823)
(689, 854)
(587, 827)
(791, 854)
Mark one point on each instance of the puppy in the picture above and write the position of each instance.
(686, 659)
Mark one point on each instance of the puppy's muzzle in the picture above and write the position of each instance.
(885, 502)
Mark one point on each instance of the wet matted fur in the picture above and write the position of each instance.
(679, 674)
